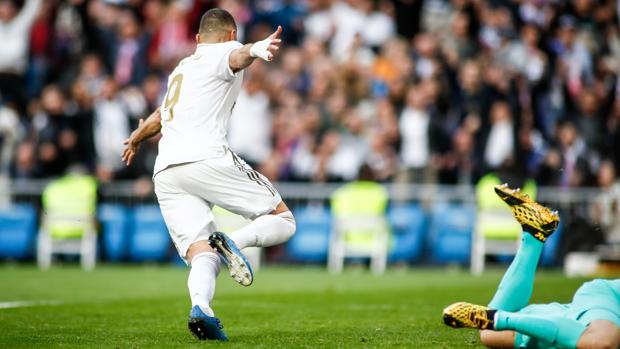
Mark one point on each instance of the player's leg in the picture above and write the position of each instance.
(498, 339)
(272, 221)
(205, 266)
(190, 222)
(538, 222)
(589, 321)
(228, 182)
(267, 230)
(516, 287)
(557, 330)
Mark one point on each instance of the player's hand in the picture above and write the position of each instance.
(131, 147)
(129, 152)
(267, 49)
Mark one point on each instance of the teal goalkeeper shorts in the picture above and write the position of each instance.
(594, 300)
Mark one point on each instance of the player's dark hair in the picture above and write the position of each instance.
(216, 20)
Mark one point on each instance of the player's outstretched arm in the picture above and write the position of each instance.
(146, 129)
(266, 49)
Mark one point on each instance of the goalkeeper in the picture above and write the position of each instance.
(590, 321)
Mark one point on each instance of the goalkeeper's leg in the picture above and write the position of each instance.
(515, 289)
(538, 222)
(555, 330)
(590, 321)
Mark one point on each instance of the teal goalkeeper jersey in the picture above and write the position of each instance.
(595, 300)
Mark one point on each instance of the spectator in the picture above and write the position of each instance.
(499, 145)
(607, 207)
(91, 74)
(25, 161)
(536, 12)
(574, 58)
(319, 24)
(10, 133)
(457, 165)
(469, 98)
(349, 19)
(524, 56)
(171, 40)
(588, 120)
(565, 164)
(407, 17)
(15, 28)
(382, 159)
(456, 44)
(127, 49)
(425, 52)
(153, 91)
(378, 25)
(40, 51)
(473, 87)
(416, 132)
(80, 109)
(111, 127)
(346, 152)
(54, 133)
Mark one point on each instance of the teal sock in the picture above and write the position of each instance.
(515, 289)
(561, 332)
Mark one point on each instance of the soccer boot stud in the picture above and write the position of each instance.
(238, 265)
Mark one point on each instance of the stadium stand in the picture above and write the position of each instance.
(450, 233)
(114, 220)
(311, 240)
(149, 239)
(18, 227)
(408, 224)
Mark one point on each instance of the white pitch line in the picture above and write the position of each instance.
(23, 304)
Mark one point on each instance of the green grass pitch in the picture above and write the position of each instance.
(293, 307)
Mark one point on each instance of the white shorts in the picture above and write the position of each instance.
(187, 192)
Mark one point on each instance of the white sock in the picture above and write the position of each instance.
(264, 231)
(201, 280)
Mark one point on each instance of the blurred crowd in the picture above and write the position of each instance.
(427, 91)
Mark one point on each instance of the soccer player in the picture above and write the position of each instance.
(590, 321)
(195, 169)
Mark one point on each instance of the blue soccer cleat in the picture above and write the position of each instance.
(238, 265)
(204, 326)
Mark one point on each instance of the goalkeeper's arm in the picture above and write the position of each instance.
(146, 129)
(242, 57)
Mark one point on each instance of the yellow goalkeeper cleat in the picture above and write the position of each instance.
(535, 218)
(469, 315)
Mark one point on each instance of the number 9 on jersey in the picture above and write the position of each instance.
(172, 97)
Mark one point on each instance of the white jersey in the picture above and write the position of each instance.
(201, 94)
